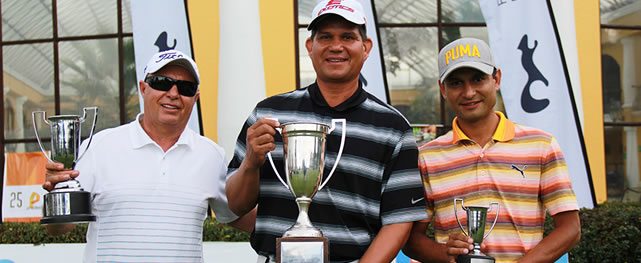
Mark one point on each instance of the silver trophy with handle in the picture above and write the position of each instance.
(67, 202)
(476, 219)
(304, 155)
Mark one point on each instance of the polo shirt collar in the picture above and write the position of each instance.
(504, 131)
(140, 138)
(356, 99)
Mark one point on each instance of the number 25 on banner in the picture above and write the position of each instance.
(22, 203)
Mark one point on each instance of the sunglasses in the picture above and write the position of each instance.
(162, 83)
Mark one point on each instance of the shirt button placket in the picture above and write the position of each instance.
(164, 168)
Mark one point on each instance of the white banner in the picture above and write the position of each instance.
(372, 72)
(160, 25)
(535, 85)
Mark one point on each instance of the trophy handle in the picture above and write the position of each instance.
(456, 214)
(498, 208)
(35, 128)
(93, 128)
(271, 160)
(340, 148)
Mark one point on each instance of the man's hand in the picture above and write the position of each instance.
(57, 173)
(458, 244)
(260, 141)
(243, 185)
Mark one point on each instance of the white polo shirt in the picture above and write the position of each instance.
(150, 205)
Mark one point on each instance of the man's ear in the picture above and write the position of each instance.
(308, 45)
(367, 46)
(497, 78)
(142, 87)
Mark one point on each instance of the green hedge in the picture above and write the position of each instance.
(611, 232)
(34, 233)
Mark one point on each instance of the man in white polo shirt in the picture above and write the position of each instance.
(153, 179)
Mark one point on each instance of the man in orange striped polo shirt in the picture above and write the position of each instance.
(487, 158)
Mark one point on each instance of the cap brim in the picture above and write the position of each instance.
(485, 68)
(318, 19)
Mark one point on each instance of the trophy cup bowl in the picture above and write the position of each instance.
(304, 157)
(476, 219)
(67, 202)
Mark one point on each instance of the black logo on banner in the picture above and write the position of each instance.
(161, 42)
(528, 103)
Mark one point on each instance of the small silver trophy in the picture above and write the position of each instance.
(67, 202)
(476, 218)
(304, 155)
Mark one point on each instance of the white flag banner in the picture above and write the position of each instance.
(535, 85)
(160, 25)
(372, 72)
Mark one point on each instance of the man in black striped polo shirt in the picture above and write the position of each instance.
(367, 208)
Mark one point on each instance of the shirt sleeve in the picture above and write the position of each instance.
(556, 188)
(219, 203)
(402, 198)
(240, 148)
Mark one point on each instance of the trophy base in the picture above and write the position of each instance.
(472, 258)
(302, 249)
(65, 207)
(71, 219)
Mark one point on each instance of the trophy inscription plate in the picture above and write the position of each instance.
(302, 250)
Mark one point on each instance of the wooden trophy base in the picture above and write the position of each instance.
(302, 250)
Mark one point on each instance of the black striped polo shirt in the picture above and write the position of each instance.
(377, 181)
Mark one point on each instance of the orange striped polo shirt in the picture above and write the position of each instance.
(522, 169)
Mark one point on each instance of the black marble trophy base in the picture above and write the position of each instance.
(66, 207)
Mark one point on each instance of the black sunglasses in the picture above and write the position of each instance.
(162, 83)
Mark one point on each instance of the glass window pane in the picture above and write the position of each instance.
(412, 71)
(305, 8)
(86, 17)
(453, 33)
(622, 151)
(89, 77)
(126, 16)
(26, 19)
(621, 53)
(307, 73)
(456, 11)
(28, 86)
(405, 11)
(621, 12)
(132, 103)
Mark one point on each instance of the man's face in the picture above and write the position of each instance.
(471, 93)
(168, 108)
(337, 50)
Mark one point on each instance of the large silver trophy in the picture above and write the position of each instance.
(476, 219)
(304, 155)
(67, 202)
